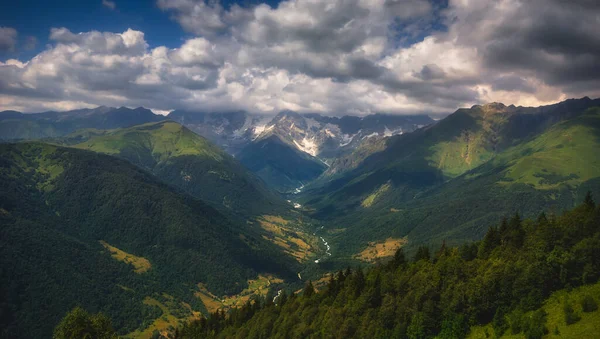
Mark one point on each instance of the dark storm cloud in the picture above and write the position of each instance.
(557, 41)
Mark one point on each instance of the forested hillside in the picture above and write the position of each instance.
(188, 161)
(82, 228)
(503, 280)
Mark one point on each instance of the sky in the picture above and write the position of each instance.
(333, 57)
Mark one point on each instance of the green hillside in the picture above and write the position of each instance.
(587, 327)
(448, 181)
(82, 228)
(186, 160)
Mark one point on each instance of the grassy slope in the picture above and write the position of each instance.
(57, 203)
(567, 154)
(162, 140)
(186, 160)
(586, 328)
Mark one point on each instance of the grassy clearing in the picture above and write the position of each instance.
(174, 314)
(211, 302)
(370, 200)
(290, 236)
(140, 264)
(588, 327)
(256, 287)
(378, 250)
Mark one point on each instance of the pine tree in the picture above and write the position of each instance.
(422, 254)
(542, 219)
(309, 290)
(442, 251)
(399, 258)
(589, 201)
(516, 234)
(375, 292)
(489, 242)
(358, 283)
(332, 286)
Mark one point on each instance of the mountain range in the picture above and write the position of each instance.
(301, 146)
(292, 149)
(195, 212)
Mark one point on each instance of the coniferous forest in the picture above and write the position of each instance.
(502, 280)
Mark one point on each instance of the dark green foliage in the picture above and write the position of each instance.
(534, 326)
(490, 242)
(417, 329)
(589, 304)
(309, 290)
(454, 327)
(468, 252)
(422, 254)
(399, 259)
(588, 200)
(512, 233)
(515, 320)
(570, 315)
(499, 322)
(80, 324)
(441, 297)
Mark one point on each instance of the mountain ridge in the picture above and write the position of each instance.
(186, 160)
(420, 183)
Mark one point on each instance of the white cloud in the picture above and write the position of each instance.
(335, 56)
(109, 4)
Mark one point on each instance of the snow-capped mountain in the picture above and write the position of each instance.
(316, 135)
(292, 149)
(231, 130)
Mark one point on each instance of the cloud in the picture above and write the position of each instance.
(109, 4)
(335, 57)
(8, 39)
(551, 40)
(30, 43)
